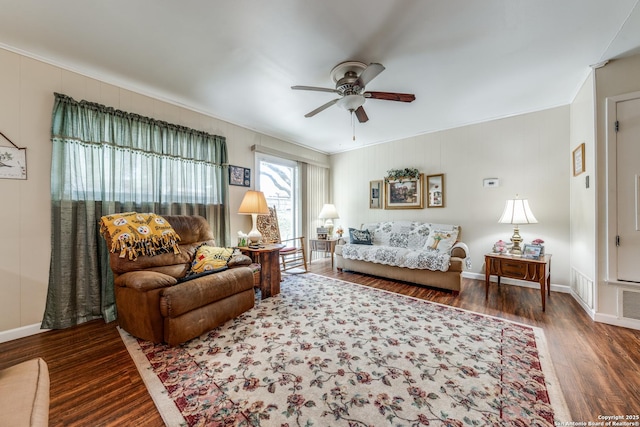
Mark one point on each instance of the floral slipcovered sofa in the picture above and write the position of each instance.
(416, 252)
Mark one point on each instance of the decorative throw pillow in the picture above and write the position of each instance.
(204, 273)
(442, 240)
(210, 258)
(359, 237)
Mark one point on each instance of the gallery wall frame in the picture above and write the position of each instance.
(239, 176)
(405, 193)
(13, 161)
(435, 191)
(578, 160)
(376, 194)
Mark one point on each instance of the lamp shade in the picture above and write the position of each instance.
(517, 211)
(328, 212)
(254, 203)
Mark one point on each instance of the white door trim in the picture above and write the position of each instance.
(611, 184)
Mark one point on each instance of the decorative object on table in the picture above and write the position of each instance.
(239, 176)
(532, 251)
(13, 161)
(517, 212)
(329, 213)
(578, 160)
(539, 242)
(435, 190)
(375, 194)
(322, 233)
(501, 247)
(242, 239)
(254, 204)
(405, 192)
(340, 231)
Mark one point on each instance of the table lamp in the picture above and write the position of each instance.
(329, 213)
(516, 212)
(254, 204)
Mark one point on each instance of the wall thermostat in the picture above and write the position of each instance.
(491, 182)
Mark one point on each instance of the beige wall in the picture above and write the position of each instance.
(583, 199)
(618, 77)
(528, 153)
(27, 88)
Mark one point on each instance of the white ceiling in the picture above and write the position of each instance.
(467, 61)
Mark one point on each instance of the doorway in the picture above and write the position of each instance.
(628, 189)
(279, 180)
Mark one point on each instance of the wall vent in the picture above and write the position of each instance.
(631, 304)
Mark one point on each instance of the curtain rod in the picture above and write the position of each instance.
(273, 152)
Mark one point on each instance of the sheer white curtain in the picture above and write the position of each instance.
(316, 194)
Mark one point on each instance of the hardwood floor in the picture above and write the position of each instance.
(94, 382)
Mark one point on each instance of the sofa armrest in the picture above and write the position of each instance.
(239, 261)
(461, 250)
(144, 281)
(24, 394)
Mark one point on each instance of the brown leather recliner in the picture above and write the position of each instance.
(154, 306)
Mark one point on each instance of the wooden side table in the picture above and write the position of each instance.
(268, 256)
(322, 245)
(532, 270)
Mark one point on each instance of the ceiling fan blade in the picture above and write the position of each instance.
(361, 115)
(391, 96)
(321, 108)
(317, 89)
(369, 73)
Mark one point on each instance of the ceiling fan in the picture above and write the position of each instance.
(351, 77)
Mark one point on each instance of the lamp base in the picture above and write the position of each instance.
(328, 224)
(254, 236)
(516, 239)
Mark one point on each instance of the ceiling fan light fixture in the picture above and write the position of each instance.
(351, 102)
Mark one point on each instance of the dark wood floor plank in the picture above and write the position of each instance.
(95, 382)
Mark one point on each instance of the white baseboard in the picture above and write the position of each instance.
(591, 312)
(523, 283)
(21, 332)
(617, 321)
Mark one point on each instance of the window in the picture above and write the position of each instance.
(279, 180)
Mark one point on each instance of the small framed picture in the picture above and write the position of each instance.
(239, 176)
(322, 233)
(13, 163)
(532, 251)
(375, 194)
(578, 160)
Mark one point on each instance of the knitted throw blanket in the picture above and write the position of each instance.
(136, 234)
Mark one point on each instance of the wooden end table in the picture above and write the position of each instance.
(532, 270)
(322, 245)
(268, 256)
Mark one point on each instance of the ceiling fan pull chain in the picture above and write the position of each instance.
(353, 125)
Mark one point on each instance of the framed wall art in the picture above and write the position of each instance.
(404, 193)
(13, 161)
(376, 190)
(578, 160)
(435, 191)
(239, 176)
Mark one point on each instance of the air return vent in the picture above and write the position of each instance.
(631, 305)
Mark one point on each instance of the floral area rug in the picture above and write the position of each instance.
(331, 353)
